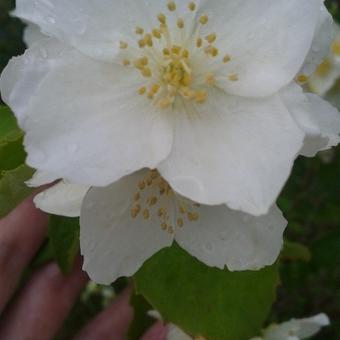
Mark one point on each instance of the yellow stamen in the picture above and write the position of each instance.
(146, 214)
(161, 18)
(171, 6)
(135, 211)
(153, 201)
(192, 216)
(226, 58)
(210, 79)
(156, 33)
(142, 90)
(203, 19)
(126, 62)
(163, 104)
(123, 45)
(146, 72)
(141, 43)
(139, 30)
(233, 77)
(155, 88)
(148, 40)
(201, 96)
(210, 38)
(180, 23)
(141, 185)
(335, 48)
(180, 222)
(192, 6)
(301, 79)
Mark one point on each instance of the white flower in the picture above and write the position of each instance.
(124, 224)
(194, 89)
(295, 329)
(328, 72)
(32, 34)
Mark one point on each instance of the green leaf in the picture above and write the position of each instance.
(12, 155)
(9, 130)
(13, 188)
(326, 251)
(205, 301)
(295, 252)
(63, 235)
(141, 320)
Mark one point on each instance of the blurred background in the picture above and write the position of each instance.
(310, 201)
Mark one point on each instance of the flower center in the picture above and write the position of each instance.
(336, 48)
(176, 63)
(154, 198)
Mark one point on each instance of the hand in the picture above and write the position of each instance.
(41, 306)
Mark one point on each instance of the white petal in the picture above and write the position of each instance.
(175, 333)
(94, 27)
(316, 117)
(41, 178)
(267, 40)
(84, 120)
(112, 242)
(296, 328)
(323, 37)
(224, 237)
(32, 34)
(22, 76)
(64, 199)
(328, 72)
(321, 82)
(233, 150)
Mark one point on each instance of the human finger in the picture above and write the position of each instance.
(43, 304)
(21, 234)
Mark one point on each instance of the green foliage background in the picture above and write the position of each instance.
(310, 201)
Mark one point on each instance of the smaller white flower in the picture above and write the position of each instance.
(295, 329)
(124, 224)
(328, 72)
